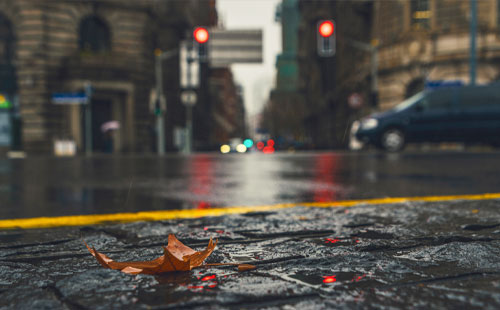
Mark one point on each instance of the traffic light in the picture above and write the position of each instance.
(326, 38)
(200, 36)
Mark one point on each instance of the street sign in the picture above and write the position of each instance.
(69, 98)
(355, 101)
(234, 46)
(189, 66)
(188, 97)
(434, 84)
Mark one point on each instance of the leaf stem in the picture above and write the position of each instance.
(218, 264)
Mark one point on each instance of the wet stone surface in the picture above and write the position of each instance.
(423, 255)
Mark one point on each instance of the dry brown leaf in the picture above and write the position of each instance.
(176, 257)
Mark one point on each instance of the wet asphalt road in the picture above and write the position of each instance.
(414, 255)
(419, 255)
(48, 186)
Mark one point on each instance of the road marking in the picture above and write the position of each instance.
(94, 219)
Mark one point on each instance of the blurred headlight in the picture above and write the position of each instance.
(369, 123)
(241, 148)
(225, 149)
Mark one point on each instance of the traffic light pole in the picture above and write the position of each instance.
(159, 108)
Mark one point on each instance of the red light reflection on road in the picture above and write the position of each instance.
(329, 279)
(208, 278)
(356, 279)
(268, 150)
(330, 240)
(201, 179)
(209, 282)
(326, 166)
(203, 205)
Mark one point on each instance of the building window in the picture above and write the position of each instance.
(94, 35)
(6, 41)
(420, 14)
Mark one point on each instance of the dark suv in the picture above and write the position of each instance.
(453, 114)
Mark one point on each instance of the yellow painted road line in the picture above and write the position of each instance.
(94, 219)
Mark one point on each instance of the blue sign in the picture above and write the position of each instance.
(443, 83)
(69, 98)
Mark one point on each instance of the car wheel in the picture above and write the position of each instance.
(393, 140)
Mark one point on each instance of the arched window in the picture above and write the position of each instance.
(6, 41)
(94, 35)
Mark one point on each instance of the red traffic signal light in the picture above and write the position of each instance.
(200, 42)
(325, 38)
(326, 28)
(200, 34)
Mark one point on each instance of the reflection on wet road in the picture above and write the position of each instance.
(53, 186)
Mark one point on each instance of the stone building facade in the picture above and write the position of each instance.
(421, 40)
(57, 46)
(283, 115)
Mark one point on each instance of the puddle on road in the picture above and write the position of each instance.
(83, 200)
(178, 287)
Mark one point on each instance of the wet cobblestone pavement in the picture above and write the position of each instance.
(423, 255)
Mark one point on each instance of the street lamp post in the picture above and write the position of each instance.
(160, 105)
(473, 28)
(373, 50)
(88, 119)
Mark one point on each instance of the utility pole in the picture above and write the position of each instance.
(473, 29)
(160, 104)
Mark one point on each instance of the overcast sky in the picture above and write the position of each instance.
(256, 79)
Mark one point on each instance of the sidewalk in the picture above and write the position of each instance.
(425, 255)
